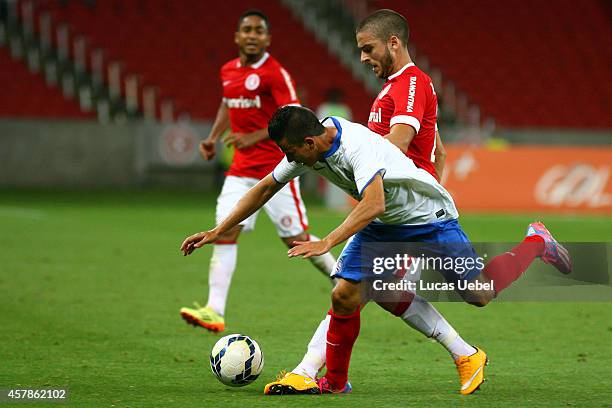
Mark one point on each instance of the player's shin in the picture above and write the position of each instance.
(508, 267)
(422, 316)
(222, 266)
(314, 359)
(341, 336)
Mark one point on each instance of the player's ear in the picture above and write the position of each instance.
(309, 142)
(268, 41)
(237, 38)
(394, 42)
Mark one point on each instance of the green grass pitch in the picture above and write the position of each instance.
(91, 285)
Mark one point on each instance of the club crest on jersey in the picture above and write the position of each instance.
(252, 82)
(286, 221)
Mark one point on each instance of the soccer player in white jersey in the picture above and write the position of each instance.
(404, 112)
(398, 202)
(254, 86)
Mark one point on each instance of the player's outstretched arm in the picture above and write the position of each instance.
(371, 206)
(439, 156)
(252, 201)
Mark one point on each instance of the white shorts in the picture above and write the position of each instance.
(286, 209)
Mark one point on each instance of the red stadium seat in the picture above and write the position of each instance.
(26, 95)
(527, 64)
(180, 47)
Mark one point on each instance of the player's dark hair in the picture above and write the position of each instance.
(385, 23)
(294, 123)
(254, 12)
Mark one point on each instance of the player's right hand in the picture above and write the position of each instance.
(195, 241)
(207, 149)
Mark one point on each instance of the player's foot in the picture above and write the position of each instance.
(326, 388)
(204, 317)
(554, 253)
(290, 384)
(471, 371)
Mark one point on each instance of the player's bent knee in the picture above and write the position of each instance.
(344, 302)
(478, 299)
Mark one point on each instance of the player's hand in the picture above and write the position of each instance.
(230, 138)
(195, 241)
(207, 149)
(245, 140)
(307, 249)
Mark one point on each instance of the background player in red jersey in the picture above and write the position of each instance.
(254, 86)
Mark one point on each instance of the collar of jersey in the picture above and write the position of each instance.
(336, 142)
(259, 63)
(402, 69)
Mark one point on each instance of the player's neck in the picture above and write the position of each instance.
(402, 60)
(246, 60)
(326, 141)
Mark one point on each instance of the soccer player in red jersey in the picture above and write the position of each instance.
(405, 110)
(254, 86)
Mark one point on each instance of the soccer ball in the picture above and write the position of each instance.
(236, 360)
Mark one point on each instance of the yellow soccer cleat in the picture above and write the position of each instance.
(291, 383)
(471, 371)
(204, 317)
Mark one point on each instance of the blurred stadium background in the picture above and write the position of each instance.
(119, 93)
(103, 104)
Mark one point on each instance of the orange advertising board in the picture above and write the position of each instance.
(530, 178)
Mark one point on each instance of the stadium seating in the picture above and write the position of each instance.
(179, 47)
(527, 64)
(25, 94)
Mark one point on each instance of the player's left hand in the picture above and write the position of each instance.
(195, 241)
(230, 138)
(307, 249)
(245, 140)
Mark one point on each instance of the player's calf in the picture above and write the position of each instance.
(479, 297)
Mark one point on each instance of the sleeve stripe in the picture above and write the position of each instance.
(289, 84)
(274, 178)
(406, 120)
(379, 171)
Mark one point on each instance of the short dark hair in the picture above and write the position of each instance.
(385, 23)
(294, 123)
(254, 12)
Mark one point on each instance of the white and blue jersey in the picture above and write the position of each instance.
(417, 207)
(412, 195)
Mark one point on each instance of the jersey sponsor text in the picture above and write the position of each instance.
(243, 103)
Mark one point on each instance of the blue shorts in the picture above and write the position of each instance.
(444, 245)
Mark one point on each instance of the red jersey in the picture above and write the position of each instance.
(252, 94)
(408, 97)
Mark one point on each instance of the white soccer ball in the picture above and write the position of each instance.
(236, 360)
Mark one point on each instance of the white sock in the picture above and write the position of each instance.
(222, 266)
(422, 316)
(314, 359)
(325, 263)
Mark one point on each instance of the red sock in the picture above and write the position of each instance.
(341, 335)
(506, 268)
